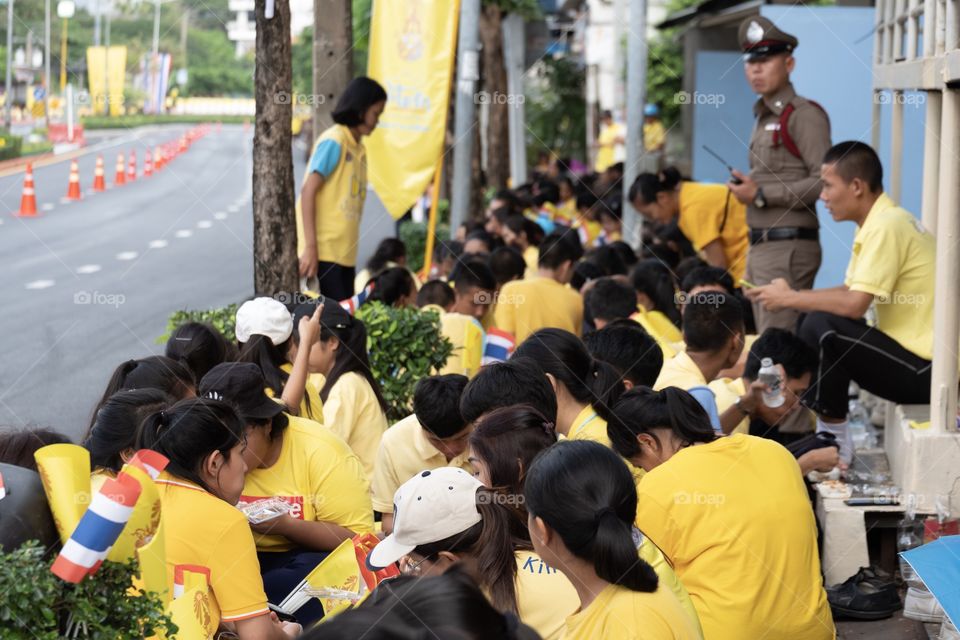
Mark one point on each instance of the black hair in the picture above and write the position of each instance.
(188, 432)
(709, 319)
(610, 299)
(654, 280)
(389, 250)
(686, 266)
(507, 264)
(504, 213)
(502, 384)
(586, 200)
(436, 403)
(608, 259)
(472, 271)
(200, 347)
(152, 372)
(785, 349)
(707, 275)
(547, 191)
(648, 185)
(641, 410)
(586, 494)
(484, 237)
(854, 159)
(351, 357)
(559, 247)
(391, 285)
(626, 253)
(518, 223)
(435, 292)
(115, 428)
(261, 351)
(563, 355)
(360, 94)
(584, 272)
(629, 349)
(444, 249)
(18, 446)
(508, 196)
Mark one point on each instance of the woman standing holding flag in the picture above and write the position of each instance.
(333, 191)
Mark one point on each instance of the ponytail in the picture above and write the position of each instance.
(585, 493)
(648, 185)
(270, 357)
(351, 357)
(641, 410)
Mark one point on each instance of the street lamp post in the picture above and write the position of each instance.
(65, 10)
(8, 87)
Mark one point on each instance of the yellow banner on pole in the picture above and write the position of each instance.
(116, 76)
(97, 78)
(412, 49)
(106, 72)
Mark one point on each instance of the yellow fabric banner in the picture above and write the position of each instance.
(412, 48)
(106, 72)
(116, 76)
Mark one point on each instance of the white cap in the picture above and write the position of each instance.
(265, 317)
(431, 506)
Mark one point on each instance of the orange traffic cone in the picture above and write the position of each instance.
(119, 177)
(147, 165)
(183, 144)
(132, 166)
(28, 201)
(73, 190)
(99, 184)
(157, 159)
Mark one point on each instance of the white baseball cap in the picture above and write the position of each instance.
(265, 317)
(431, 506)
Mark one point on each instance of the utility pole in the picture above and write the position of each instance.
(46, 64)
(156, 29)
(636, 97)
(468, 72)
(332, 59)
(514, 52)
(8, 87)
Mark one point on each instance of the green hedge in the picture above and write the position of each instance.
(10, 146)
(123, 122)
(414, 237)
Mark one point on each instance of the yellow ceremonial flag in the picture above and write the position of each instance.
(153, 566)
(116, 76)
(97, 78)
(65, 472)
(189, 612)
(340, 571)
(412, 48)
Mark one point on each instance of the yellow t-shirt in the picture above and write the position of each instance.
(206, 535)
(353, 413)
(607, 146)
(654, 135)
(894, 260)
(618, 612)
(680, 371)
(734, 519)
(566, 211)
(319, 476)
(525, 306)
(311, 392)
(545, 596)
(404, 452)
(531, 256)
(339, 203)
(660, 328)
(704, 209)
(467, 335)
(726, 391)
(589, 426)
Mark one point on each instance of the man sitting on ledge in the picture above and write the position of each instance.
(891, 266)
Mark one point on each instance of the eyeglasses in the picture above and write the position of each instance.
(415, 569)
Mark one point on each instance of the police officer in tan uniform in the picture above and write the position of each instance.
(790, 137)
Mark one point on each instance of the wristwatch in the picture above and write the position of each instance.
(758, 200)
(739, 405)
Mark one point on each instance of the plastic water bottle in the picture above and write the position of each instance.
(770, 376)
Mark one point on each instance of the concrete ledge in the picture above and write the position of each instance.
(923, 462)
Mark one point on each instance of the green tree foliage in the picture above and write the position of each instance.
(556, 110)
(665, 67)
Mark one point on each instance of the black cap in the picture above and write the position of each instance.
(242, 385)
(333, 315)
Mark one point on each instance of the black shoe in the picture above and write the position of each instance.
(869, 595)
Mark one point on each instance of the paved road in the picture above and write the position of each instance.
(89, 284)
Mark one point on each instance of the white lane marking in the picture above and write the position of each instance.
(184, 233)
(65, 200)
(233, 208)
(127, 255)
(46, 206)
(39, 284)
(204, 224)
(88, 268)
(220, 215)
(157, 244)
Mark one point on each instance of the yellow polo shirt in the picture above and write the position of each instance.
(618, 612)
(212, 538)
(353, 413)
(524, 306)
(680, 371)
(894, 260)
(709, 212)
(660, 328)
(545, 596)
(339, 202)
(313, 411)
(467, 336)
(590, 426)
(727, 391)
(606, 145)
(654, 135)
(531, 256)
(319, 476)
(404, 452)
(734, 519)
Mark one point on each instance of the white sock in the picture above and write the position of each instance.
(844, 437)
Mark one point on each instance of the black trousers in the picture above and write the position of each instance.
(336, 280)
(852, 350)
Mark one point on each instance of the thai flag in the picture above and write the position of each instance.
(3, 489)
(178, 576)
(150, 462)
(498, 346)
(352, 304)
(99, 528)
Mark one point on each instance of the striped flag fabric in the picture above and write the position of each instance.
(3, 489)
(99, 528)
(351, 305)
(180, 572)
(150, 462)
(498, 346)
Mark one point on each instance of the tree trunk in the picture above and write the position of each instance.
(494, 79)
(332, 58)
(274, 224)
